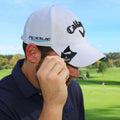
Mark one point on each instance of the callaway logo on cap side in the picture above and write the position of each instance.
(74, 26)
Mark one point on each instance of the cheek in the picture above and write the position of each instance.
(39, 64)
(74, 72)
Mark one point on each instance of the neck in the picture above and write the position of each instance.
(29, 71)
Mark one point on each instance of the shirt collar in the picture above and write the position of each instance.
(23, 84)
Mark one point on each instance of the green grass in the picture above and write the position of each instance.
(110, 77)
(4, 72)
(101, 102)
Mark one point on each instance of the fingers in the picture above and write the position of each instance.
(59, 69)
(48, 64)
(52, 76)
(51, 62)
(54, 66)
(64, 75)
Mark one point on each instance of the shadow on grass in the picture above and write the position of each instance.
(103, 114)
(97, 82)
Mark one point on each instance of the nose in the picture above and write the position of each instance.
(73, 71)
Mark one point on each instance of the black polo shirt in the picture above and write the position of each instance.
(20, 100)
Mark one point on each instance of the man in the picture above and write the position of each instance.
(41, 86)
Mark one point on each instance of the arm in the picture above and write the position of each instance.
(51, 113)
(52, 79)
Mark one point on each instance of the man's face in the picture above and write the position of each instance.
(73, 71)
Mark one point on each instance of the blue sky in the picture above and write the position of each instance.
(100, 18)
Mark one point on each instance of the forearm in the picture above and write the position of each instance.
(52, 112)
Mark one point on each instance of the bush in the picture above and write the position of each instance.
(6, 67)
(102, 67)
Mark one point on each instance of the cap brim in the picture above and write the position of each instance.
(86, 54)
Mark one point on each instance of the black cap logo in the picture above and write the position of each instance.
(67, 54)
(76, 24)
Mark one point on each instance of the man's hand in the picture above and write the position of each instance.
(52, 76)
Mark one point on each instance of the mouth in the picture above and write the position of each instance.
(69, 80)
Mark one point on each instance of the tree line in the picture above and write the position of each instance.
(9, 61)
(111, 60)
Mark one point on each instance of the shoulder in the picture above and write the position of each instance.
(73, 83)
(7, 89)
(74, 87)
(6, 96)
(76, 97)
(75, 91)
(7, 83)
(5, 80)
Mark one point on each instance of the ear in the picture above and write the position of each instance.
(32, 52)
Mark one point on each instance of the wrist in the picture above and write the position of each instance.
(51, 112)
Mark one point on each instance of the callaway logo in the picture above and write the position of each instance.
(76, 24)
(67, 54)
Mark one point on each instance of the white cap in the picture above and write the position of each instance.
(60, 29)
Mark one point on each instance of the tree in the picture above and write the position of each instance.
(90, 66)
(3, 62)
(14, 59)
(102, 67)
(110, 63)
(98, 62)
(117, 63)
